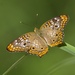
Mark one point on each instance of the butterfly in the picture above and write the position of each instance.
(37, 42)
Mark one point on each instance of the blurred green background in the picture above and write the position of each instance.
(18, 17)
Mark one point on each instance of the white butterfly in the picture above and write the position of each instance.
(37, 42)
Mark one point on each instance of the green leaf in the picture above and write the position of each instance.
(68, 48)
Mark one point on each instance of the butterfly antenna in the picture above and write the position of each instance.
(37, 19)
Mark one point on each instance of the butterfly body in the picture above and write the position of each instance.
(50, 33)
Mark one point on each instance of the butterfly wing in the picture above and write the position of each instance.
(52, 30)
(31, 43)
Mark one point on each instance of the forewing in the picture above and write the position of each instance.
(52, 30)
